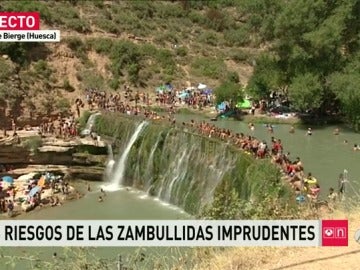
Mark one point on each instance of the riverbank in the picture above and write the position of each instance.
(257, 118)
(211, 113)
(27, 194)
(37, 172)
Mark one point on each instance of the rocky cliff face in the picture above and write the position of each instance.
(78, 159)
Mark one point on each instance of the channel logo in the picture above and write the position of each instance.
(334, 233)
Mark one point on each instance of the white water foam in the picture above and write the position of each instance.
(112, 187)
(118, 175)
(89, 124)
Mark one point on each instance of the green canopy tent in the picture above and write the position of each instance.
(160, 89)
(246, 104)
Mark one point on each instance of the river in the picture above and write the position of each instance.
(118, 205)
(323, 154)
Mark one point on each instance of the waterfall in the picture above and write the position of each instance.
(118, 175)
(89, 124)
(180, 167)
(149, 165)
(110, 163)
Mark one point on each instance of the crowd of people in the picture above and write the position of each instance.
(137, 104)
(95, 98)
(28, 194)
(306, 187)
(61, 127)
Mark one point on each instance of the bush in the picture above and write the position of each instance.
(64, 13)
(143, 9)
(169, 11)
(63, 105)
(30, 6)
(114, 83)
(133, 73)
(181, 51)
(91, 79)
(107, 25)
(209, 67)
(209, 37)
(165, 59)
(239, 55)
(77, 46)
(148, 50)
(67, 86)
(218, 20)
(42, 69)
(6, 69)
(78, 25)
(237, 37)
(101, 45)
(33, 143)
(124, 53)
(229, 91)
(233, 77)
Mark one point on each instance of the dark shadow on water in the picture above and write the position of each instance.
(316, 260)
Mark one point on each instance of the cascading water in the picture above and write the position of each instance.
(149, 165)
(110, 163)
(89, 124)
(118, 175)
(183, 168)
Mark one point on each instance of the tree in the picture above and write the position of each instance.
(346, 86)
(306, 92)
(267, 76)
(310, 41)
(229, 91)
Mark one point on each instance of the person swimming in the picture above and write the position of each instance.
(100, 199)
(309, 132)
(292, 130)
(251, 126)
(336, 131)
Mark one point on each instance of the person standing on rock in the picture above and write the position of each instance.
(10, 208)
(13, 125)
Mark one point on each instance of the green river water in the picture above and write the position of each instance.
(323, 154)
(117, 205)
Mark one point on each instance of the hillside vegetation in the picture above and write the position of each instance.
(307, 49)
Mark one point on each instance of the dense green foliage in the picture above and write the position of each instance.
(313, 54)
(308, 49)
(229, 91)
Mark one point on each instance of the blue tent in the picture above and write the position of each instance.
(168, 86)
(207, 92)
(8, 179)
(221, 106)
(183, 95)
(34, 190)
